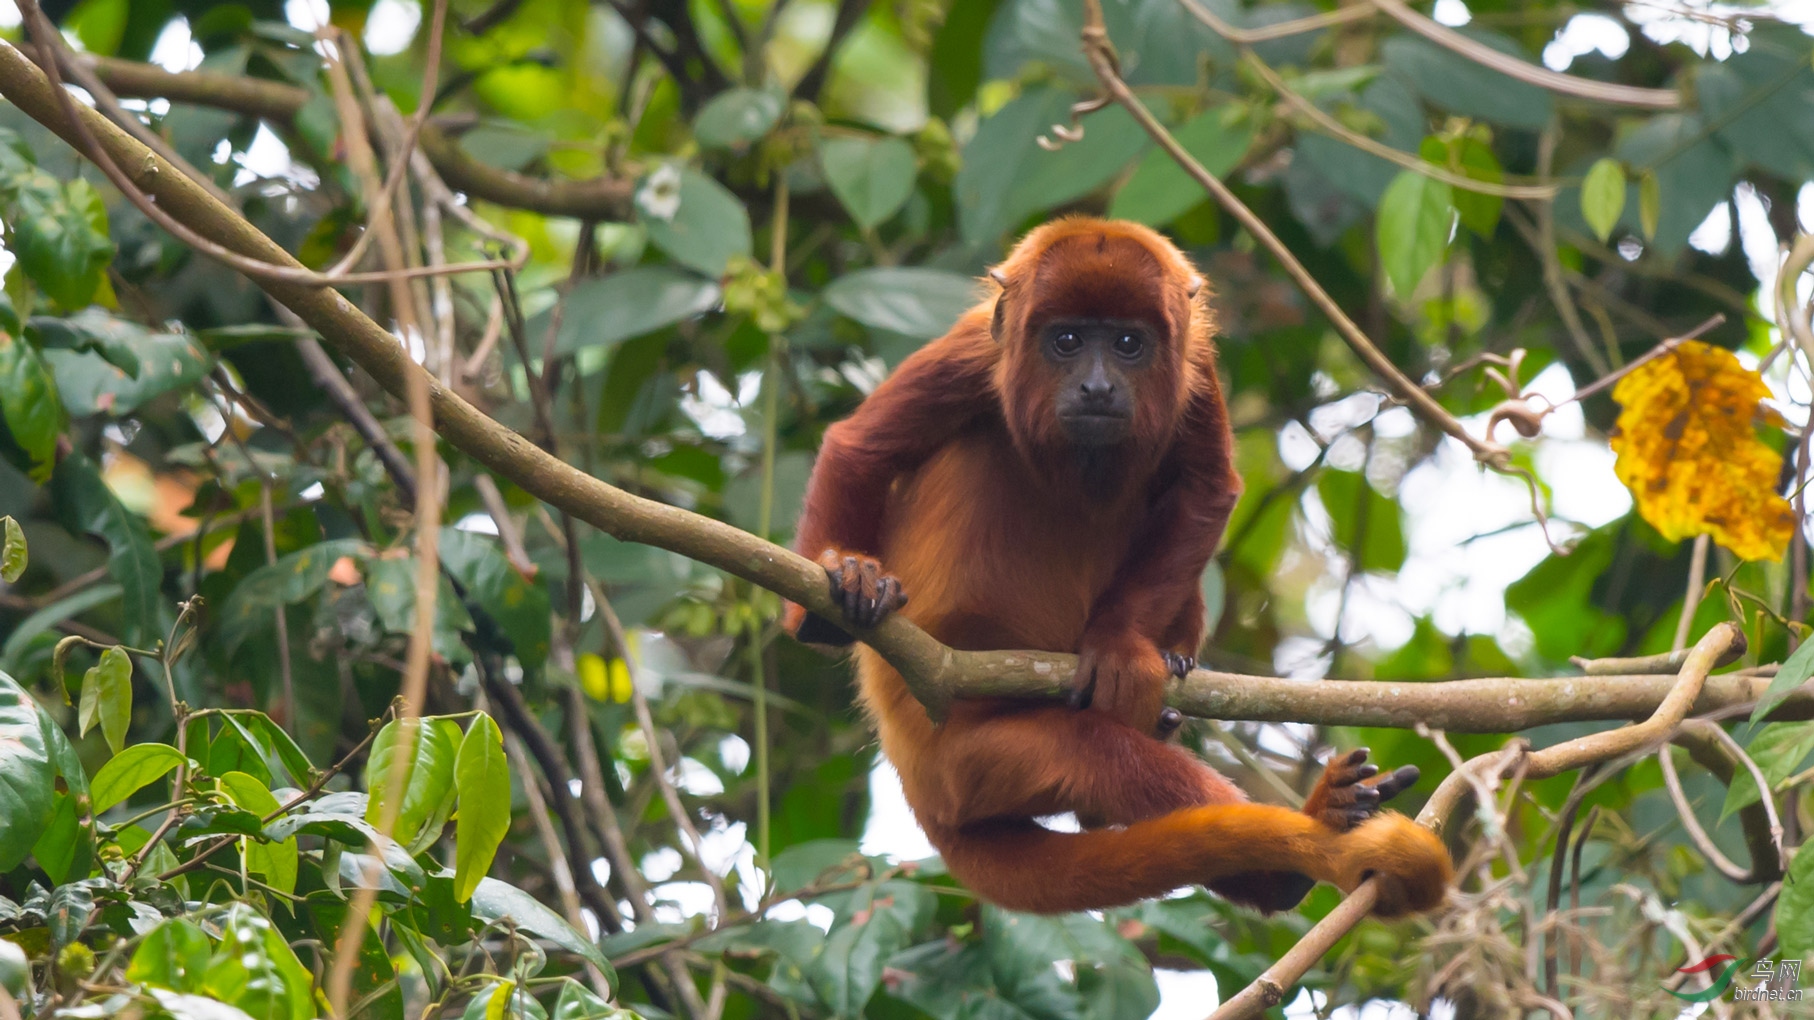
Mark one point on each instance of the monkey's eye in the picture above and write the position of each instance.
(1127, 345)
(1067, 343)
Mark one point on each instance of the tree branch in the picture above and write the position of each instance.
(597, 198)
(936, 673)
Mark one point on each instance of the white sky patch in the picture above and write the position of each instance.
(1584, 34)
(660, 864)
(818, 915)
(391, 26)
(1297, 448)
(1804, 206)
(692, 777)
(478, 523)
(312, 493)
(1185, 994)
(9, 16)
(176, 50)
(734, 752)
(715, 410)
(1755, 235)
(891, 830)
(1714, 235)
(307, 15)
(1453, 13)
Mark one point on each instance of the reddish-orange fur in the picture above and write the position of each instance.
(956, 475)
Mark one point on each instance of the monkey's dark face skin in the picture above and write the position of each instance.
(1099, 364)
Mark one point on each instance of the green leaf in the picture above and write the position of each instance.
(1795, 907)
(847, 972)
(1694, 173)
(1778, 749)
(255, 600)
(47, 618)
(276, 861)
(494, 900)
(800, 864)
(1457, 83)
(13, 555)
(57, 849)
(1006, 175)
(89, 506)
(15, 968)
(107, 697)
(1603, 196)
(173, 955)
(428, 774)
(59, 233)
(1160, 190)
(1479, 212)
(30, 403)
(254, 969)
(100, 24)
(132, 770)
(182, 1006)
(702, 232)
(482, 781)
(520, 607)
(736, 117)
(914, 301)
(1412, 229)
(1650, 204)
(871, 177)
(27, 775)
(1794, 672)
(577, 1002)
(93, 369)
(606, 311)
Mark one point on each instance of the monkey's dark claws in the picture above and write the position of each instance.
(1180, 665)
(863, 593)
(1352, 790)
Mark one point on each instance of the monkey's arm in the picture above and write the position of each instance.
(1137, 619)
(926, 401)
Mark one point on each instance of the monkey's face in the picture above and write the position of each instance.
(1098, 364)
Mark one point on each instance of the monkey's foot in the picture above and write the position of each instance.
(1169, 721)
(1348, 794)
(863, 593)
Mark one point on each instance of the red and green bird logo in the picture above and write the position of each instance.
(1725, 963)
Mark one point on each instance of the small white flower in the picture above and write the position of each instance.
(659, 196)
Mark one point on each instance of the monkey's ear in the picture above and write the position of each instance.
(1193, 286)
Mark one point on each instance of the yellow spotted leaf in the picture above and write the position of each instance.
(1688, 450)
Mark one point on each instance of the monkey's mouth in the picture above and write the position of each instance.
(1095, 428)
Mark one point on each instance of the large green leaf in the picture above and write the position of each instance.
(27, 775)
(89, 506)
(606, 311)
(255, 970)
(1007, 176)
(1454, 82)
(107, 697)
(872, 177)
(1758, 101)
(96, 382)
(131, 770)
(58, 229)
(1366, 524)
(252, 606)
(277, 861)
(1794, 672)
(173, 955)
(1160, 190)
(30, 403)
(1693, 174)
(914, 301)
(1795, 907)
(520, 606)
(494, 900)
(482, 784)
(428, 775)
(849, 969)
(1778, 749)
(735, 118)
(1412, 229)
(706, 227)
(46, 619)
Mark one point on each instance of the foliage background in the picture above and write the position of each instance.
(164, 438)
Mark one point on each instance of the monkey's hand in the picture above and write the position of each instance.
(1352, 790)
(1123, 673)
(863, 594)
(1411, 863)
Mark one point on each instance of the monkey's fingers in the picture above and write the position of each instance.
(1180, 665)
(1396, 782)
(1083, 682)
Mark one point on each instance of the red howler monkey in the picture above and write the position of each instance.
(1055, 473)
